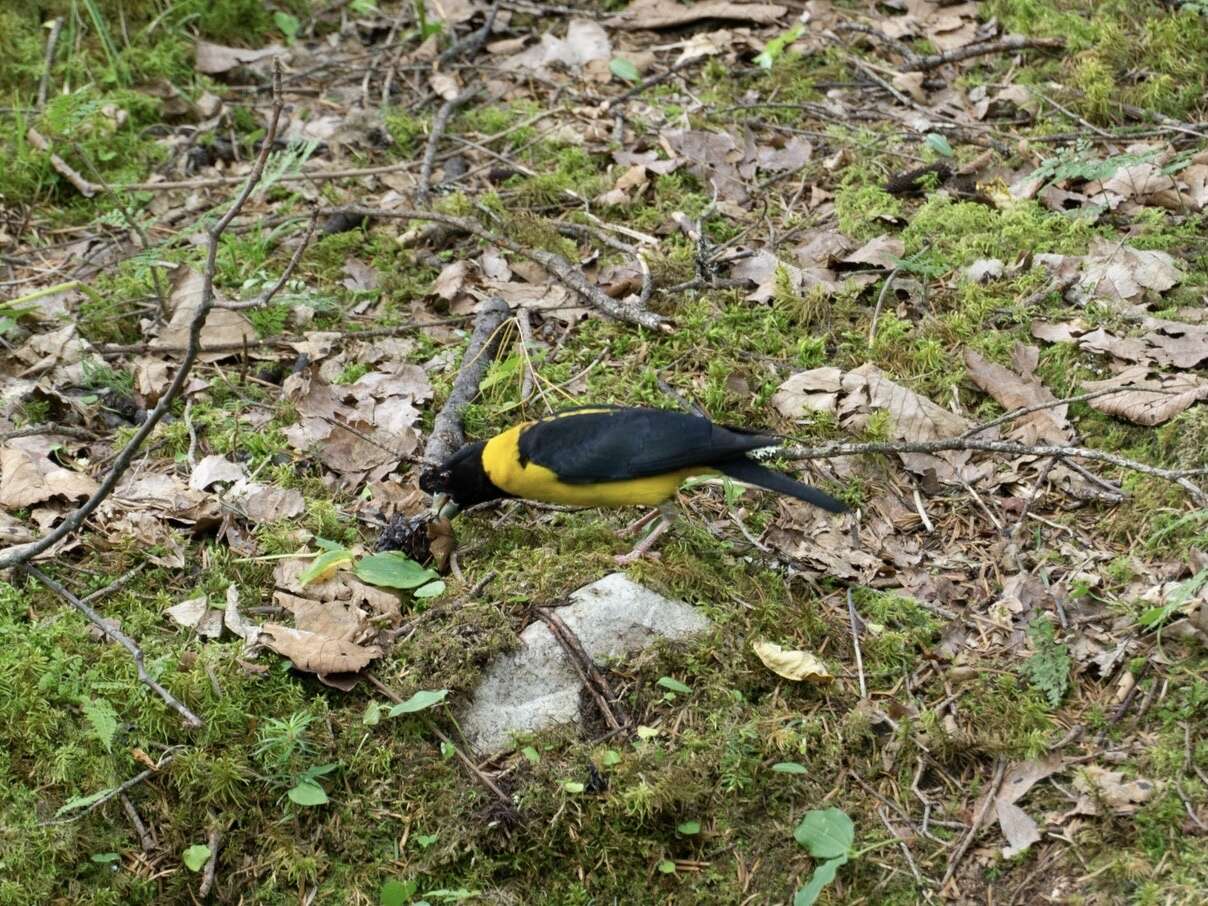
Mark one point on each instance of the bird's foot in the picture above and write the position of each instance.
(642, 548)
(638, 524)
(634, 556)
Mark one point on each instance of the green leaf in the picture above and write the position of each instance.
(674, 685)
(1182, 593)
(104, 858)
(393, 569)
(826, 833)
(420, 701)
(326, 545)
(373, 714)
(431, 590)
(1049, 667)
(645, 732)
(500, 371)
(289, 25)
(325, 564)
(307, 793)
(573, 786)
(666, 866)
(103, 719)
(396, 893)
(83, 801)
(939, 144)
(426, 840)
(610, 758)
(531, 754)
(788, 767)
(447, 750)
(823, 875)
(688, 828)
(774, 48)
(452, 895)
(196, 857)
(623, 69)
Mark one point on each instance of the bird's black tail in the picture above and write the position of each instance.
(749, 472)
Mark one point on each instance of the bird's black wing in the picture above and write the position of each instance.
(582, 447)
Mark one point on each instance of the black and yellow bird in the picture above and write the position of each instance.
(609, 456)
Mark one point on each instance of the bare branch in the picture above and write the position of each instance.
(556, 265)
(439, 123)
(267, 297)
(14, 556)
(980, 49)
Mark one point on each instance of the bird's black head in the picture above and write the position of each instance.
(462, 477)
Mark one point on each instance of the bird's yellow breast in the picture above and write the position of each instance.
(501, 460)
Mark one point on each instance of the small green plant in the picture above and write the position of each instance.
(1049, 667)
(773, 50)
(828, 834)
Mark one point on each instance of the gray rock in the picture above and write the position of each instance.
(536, 686)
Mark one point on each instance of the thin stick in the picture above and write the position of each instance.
(590, 675)
(470, 44)
(439, 123)
(448, 433)
(982, 48)
(56, 28)
(1178, 476)
(120, 790)
(64, 430)
(876, 312)
(286, 274)
(18, 554)
(145, 839)
(207, 875)
(855, 641)
(1000, 768)
(555, 264)
(190, 719)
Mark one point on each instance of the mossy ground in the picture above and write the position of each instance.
(73, 719)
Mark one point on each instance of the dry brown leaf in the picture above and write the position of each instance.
(28, 475)
(884, 251)
(654, 14)
(451, 279)
(1018, 391)
(222, 327)
(793, 155)
(215, 59)
(793, 665)
(196, 614)
(585, 42)
(1146, 400)
(266, 503)
(237, 622)
(1017, 826)
(314, 653)
(1103, 789)
(816, 390)
(213, 469)
(715, 158)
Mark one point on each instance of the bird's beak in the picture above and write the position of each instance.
(444, 506)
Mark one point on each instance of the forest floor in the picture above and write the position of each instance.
(846, 222)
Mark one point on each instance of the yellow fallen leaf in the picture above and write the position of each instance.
(794, 665)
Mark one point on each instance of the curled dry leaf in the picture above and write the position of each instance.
(1145, 399)
(28, 475)
(793, 665)
(314, 653)
(213, 469)
(1018, 391)
(222, 328)
(215, 59)
(654, 14)
(196, 614)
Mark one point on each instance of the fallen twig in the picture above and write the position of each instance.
(68, 172)
(556, 265)
(470, 43)
(120, 790)
(207, 874)
(855, 620)
(954, 862)
(589, 674)
(504, 799)
(876, 312)
(145, 838)
(190, 719)
(52, 41)
(1178, 476)
(267, 297)
(439, 123)
(980, 49)
(448, 433)
(18, 554)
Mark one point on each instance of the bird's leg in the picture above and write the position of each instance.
(667, 515)
(638, 524)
